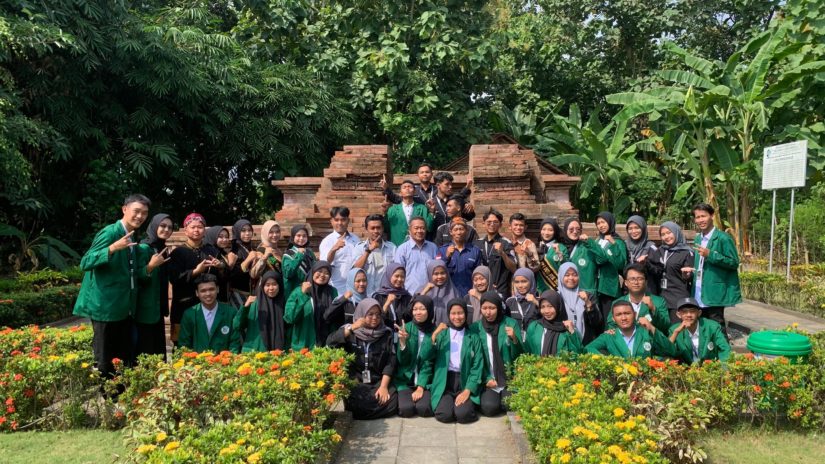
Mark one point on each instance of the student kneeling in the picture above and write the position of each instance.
(697, 339)
(372, 343)
(208, 326)
(501, 344)
(629, 341)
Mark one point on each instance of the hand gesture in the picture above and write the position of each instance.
(687, 271)
(703, 252)
(202, 266)
(382, 395)
(648, 302)
(583, 295)
(122, 243)
(641, 259)
(646, 324)
(684, 325)
(231, 259)
(568, 324)
(372, 245)
(556, 247)
(441, 327)
(390, 299)
(583, 236)
(305, 286)
(497, 247)
(450, 251)
(462, 397)
(358, 324)
(510, 333)
(347, 294)
(403, 335)
(417, 394)
(470, 183)
(469, 208)
(383, 182)
(610, 239)
(430, 205)
(474, 293)
(249, 300)
(157, 259)
(340, 243)
(427, 288)
(491, 383)
(531, 299)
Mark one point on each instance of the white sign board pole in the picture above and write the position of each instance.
(784, 166)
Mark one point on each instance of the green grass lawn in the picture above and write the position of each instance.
(752, 445)
(72, 447)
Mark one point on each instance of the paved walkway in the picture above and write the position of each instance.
(759, 316)
(397, 440)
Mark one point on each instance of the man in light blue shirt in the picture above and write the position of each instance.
(414, 254)
(339, 248)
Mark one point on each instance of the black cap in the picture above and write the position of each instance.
(687, 302)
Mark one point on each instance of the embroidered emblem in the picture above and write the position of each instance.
(225, 330)
(582, 262)
(711, 346)
(609, 253)
(646, 346)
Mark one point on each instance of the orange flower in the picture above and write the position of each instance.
(190, 354)
(792, 397)
(304, 350)
(768, 377)
(757, 389)
(261, 371)
(597, 383)
(785, 384)
(307, 428)
(563, 370)
(277, 352)
(330, 398)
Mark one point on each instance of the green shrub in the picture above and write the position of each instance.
(47, 305)
(806, 296)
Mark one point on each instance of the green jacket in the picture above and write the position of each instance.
(712, 342)
(720, 276)
(609, 270)
(395, 222)
(293, 276)
(147, 309)
(472, 366)
(246, 323)
(300, 313)
(411, 357)
(193, 333)
(588, 256)
(107, 293)
(644, 345)
(660, 317)
(509, 349)
(567, 342)
(555, 262)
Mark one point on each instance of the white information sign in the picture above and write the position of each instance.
(784, 166)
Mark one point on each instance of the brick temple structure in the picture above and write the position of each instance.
(507, 177)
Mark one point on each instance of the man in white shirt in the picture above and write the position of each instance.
(374, 253)
(339, 248)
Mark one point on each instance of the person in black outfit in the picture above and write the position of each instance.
(665, 264)
(498, 253)
(371, 341)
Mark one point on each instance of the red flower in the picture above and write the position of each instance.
(792, 397)
(9, 401)
(785, 384)
(2, 420)
(261, 371)
(304, 350)
(757, 389)
(597, 383)
(116, 362)
(563, 370)
(694, 401)
(28, 393)
(768, 377)
(10, 409)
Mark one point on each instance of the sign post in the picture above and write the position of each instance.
(784, 166)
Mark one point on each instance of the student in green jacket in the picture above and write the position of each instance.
(458, 369)
(715, 267)
(645, 305)
(108, 293)
(414, 370)
(501, 344)
(554, 333)
(298, 258)
(553, 254)
(312, 309)
(631, 339)
(260, 322)
(585, 253)
(397, 217)
(697, 339)
(153, 293)
(207, 326)
(615, 252)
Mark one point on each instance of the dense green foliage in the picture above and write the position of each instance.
(656, 104)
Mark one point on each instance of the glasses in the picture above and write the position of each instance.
(635, 279)
(492, 223)
(574, 229)
(165, 226)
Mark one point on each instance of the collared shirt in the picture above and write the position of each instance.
(491, 344)
(376, 264)
(408, 210)
(343, 260)
(132, 256)
(461, 265)
(456, 342)
(697, 293)
(209, 315)
(530, 257)
(414, 258)
(498, 270)
(694, 339)
(629, 341)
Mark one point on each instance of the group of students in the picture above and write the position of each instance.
(434, 318)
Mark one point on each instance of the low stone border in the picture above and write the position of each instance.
(342, 424)
(525, 453)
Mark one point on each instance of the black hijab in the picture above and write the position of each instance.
(492, 328)
(457, 302)
(564, 238)
(271, 314)
(295, 229)
(152, 232)
(238, 247)
(555, 327)
(611, 223)
(308, 259)
(427, 326)
(557, 237)
(211, 236)
(321, 300)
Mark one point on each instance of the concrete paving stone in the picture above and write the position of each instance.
(426, 423)
(428, 437)
(376, 428)
(366, 448)
(482, 446)
(487, 426)
(356, 460)
(427, 454)
(511, 460)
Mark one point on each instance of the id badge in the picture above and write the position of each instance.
(699, 274)
(663, 284)
(365, 376)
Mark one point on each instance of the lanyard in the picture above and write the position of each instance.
(667, 254)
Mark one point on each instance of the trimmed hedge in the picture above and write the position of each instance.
(18, 309)
(806, 295)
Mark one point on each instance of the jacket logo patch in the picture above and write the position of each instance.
(646, 346)
(711, 346)
(225, 330)
(582, 262)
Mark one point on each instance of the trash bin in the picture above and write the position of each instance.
(770, 344)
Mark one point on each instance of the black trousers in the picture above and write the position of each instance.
(717, 314)
(364, 406)
(151, 338)
(492, 402)
(408, 408)
(447, 411)
(113, 339)
(606, 306)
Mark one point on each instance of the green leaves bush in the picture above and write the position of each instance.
(21, 308)
(806, 295)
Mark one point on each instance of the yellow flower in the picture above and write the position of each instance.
(320, 384)
(146, 449)
(565, 458)
(260, 356)
(225, 451)
(618, 369)
(270, 442)
(287, 363)
(582, 451)
(294, 386)
(171, 446)
(71, 356)
(627, 437)
(160, 437)
(576, 401)
(84, 365)
(253, 458)
(336, 438)
(618, 412)
(241, 441)
(562, 443)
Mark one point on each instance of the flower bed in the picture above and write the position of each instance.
(806, 294)
(38, 297)
(594, 408)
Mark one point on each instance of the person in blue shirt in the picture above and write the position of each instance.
(414, 254)
(461, 256)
